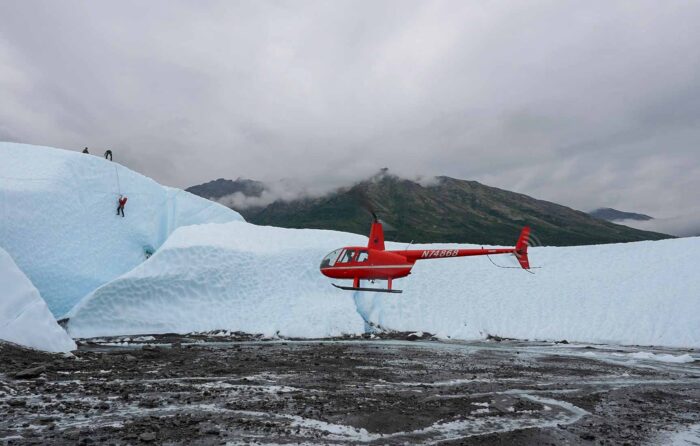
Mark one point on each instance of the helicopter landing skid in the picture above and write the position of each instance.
(376, 290)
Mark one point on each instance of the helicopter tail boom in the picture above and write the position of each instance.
(520, 251)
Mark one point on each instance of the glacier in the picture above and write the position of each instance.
(24, 317)
(59, 223)
(239, 276)
(212, 270)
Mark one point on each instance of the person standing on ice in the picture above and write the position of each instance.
(108, 155)
(122, 202)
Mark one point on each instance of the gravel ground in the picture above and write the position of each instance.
(391, 389)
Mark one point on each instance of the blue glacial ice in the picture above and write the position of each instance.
(59, 219)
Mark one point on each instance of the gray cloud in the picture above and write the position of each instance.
(683, 225)
(284, 190)
(588, 104)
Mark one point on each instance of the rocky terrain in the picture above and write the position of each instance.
(224, 388)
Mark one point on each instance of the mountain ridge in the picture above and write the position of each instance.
(445, 210)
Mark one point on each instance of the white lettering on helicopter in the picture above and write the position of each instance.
(440, 253)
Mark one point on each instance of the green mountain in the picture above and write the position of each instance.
(448, 210)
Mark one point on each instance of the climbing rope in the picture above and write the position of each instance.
(119, 186)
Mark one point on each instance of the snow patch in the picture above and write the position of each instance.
(686, 436)
(661, 357)
(646, 356)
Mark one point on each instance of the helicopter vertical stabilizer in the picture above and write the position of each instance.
(521, 248)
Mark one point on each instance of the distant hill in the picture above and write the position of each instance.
(448, 210)
(611, 214)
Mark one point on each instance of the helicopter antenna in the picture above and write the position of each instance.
(407, 246)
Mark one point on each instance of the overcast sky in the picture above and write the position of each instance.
(585, 103)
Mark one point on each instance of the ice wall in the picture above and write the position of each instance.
(235, 276)
(24, 317)
(59, 223)
(239, 276)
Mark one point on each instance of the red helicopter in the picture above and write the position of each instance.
(373, 262)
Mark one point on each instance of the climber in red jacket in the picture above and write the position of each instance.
(122, 202)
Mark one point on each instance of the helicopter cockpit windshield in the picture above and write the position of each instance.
(330, 259)
(347, 256)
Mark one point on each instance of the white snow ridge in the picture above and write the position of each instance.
(24, 317)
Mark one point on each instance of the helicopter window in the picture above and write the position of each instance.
(330, 259)
(362, 256)
(347, 256)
